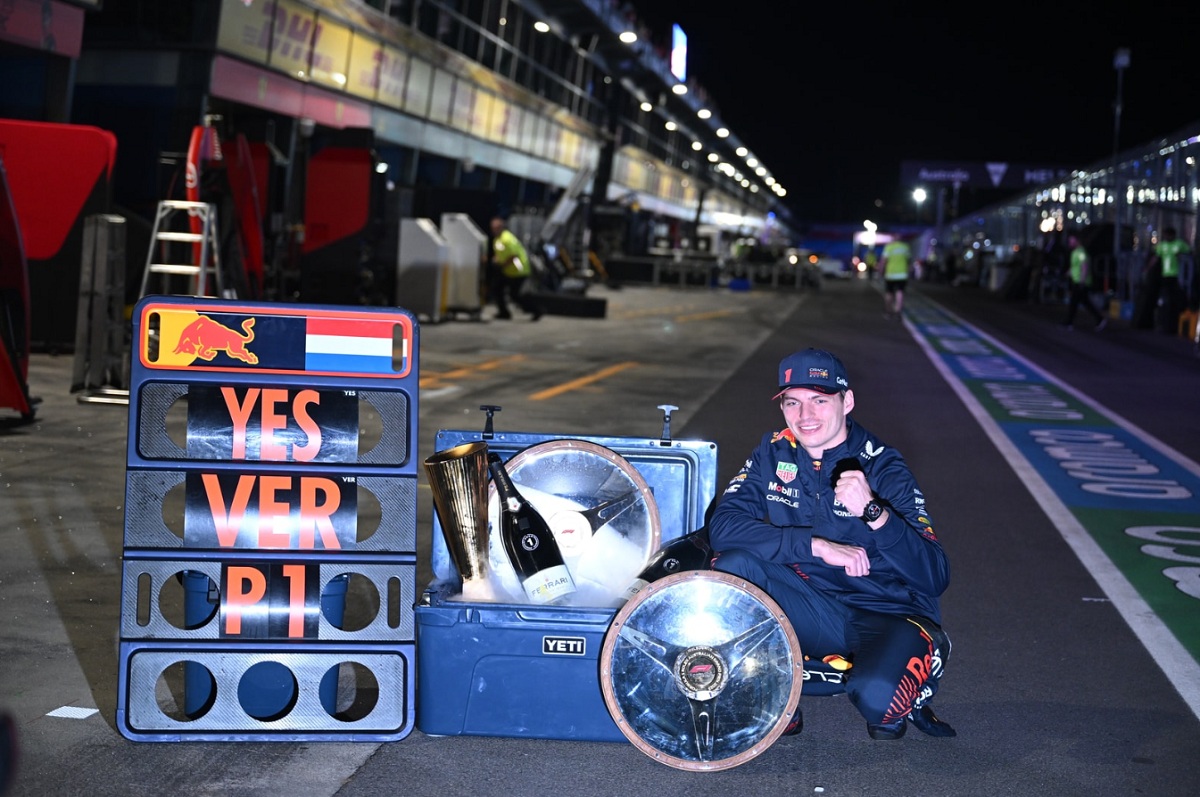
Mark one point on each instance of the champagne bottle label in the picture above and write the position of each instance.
(549, 585)
(666, 566)
(529, 542)
(634, 588)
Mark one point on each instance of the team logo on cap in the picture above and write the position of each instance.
(786, 471)
(818, 373)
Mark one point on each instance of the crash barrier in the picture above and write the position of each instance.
(269, 563)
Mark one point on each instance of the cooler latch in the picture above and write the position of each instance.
(490, 409)
(667, 409)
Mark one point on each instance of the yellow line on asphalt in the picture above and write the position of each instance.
(653, 312)
(583, 381)
(679, 313)
(428, 379)
(683, 319)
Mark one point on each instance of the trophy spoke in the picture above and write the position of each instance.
(737, 649)
(704, 721)
(608, 511)
(656, 650)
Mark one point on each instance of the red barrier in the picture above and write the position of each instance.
(207, 162)
(52, 170)
(14, 307)
(57, 175)
(337, 201)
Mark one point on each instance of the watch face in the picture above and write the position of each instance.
(872, 511)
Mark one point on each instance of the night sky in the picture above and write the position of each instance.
(832, 97)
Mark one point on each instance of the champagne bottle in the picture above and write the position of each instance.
(529, 542)
(689, 552)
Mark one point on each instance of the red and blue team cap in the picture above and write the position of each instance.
(815, 369)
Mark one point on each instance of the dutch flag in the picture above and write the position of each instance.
(355, 346)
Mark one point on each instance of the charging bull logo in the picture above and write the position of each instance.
(204, 337)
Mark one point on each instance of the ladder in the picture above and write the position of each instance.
(564, 209)
(168, 241)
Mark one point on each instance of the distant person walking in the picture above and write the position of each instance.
(1079, 275)
(1168, 255)
(895, 264)
(509, 273)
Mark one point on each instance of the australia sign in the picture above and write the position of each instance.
(980, 174)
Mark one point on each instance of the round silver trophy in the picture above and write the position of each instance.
(701, 670)
(600, 508)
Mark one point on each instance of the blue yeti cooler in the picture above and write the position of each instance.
(505, 667)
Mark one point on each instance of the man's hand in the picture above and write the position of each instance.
(850, 558)
(852, 491)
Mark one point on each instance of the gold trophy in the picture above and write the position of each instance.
(458, 477)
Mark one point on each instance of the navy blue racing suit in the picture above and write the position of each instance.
(886, 623)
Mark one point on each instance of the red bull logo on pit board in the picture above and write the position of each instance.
(205, 337)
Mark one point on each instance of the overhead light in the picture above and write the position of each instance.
(704, 113)
(541, 27)
(679, 88)
(670, 125)
(628, 36)
(696, 145)
(713, 157)
(741, 152)
(722, 132)
(647, 107)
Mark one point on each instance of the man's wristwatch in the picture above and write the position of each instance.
(872, 511)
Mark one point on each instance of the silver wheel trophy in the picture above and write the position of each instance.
(701, 671)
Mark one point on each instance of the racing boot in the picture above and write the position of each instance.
(795, 724)
(887, 731)
(927, 722)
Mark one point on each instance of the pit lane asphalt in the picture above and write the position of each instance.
(1048, 687)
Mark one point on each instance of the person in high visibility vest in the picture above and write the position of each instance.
(1169, 253)
(897, 255)
(509, 273)
(1079, 273)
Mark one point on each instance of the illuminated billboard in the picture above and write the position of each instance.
(679, 53)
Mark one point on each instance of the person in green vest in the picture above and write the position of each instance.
(897, 257)
(1168, 254)
(1079, 274)
(509, 273)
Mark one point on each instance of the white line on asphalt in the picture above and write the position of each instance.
(73, 712)
(1176, 662)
